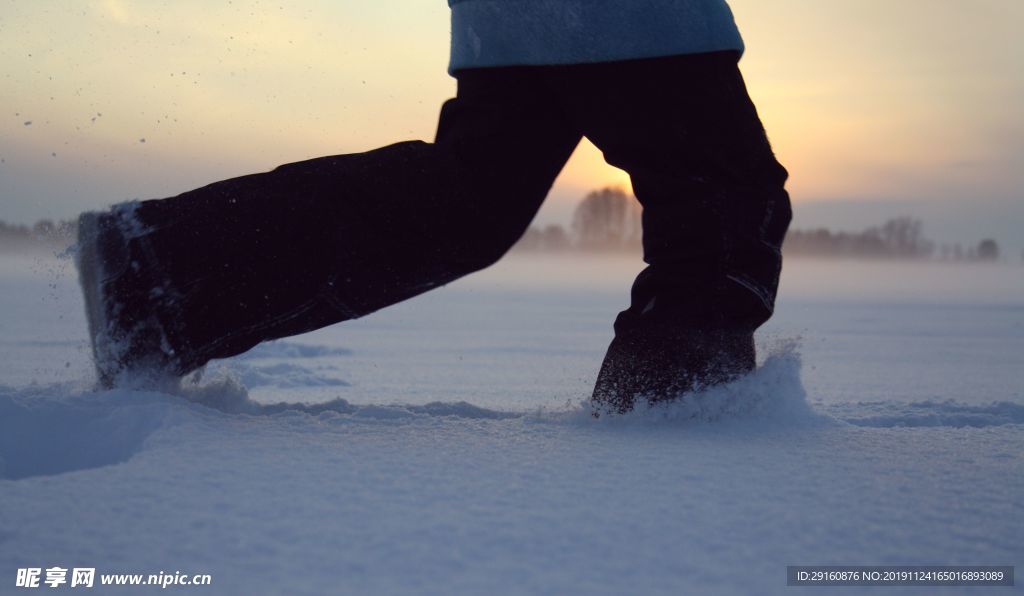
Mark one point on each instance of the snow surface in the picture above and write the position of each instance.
(442, 446)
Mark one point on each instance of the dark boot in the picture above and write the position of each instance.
(659, 367)
(674, 343)
(122, 301)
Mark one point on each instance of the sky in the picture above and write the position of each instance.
(877, 108)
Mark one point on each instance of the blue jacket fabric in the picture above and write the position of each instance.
(518, 32)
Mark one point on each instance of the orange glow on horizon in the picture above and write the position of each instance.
(873, 99)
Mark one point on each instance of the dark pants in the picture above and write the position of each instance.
(321, 241)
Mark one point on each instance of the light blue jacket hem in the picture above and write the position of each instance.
(488, 33)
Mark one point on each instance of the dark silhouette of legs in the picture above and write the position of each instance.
(325, 240)
(715, 214)
(212, 272)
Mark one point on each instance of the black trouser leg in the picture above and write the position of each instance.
(321, 241)
(715, 214)
(715, 207)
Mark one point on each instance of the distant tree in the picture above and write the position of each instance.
(14, 237)
(13, 230)
(988, 250)
(896, 238)
(606, 219)
(902, 237)
(869, 243)
(44, 229)
(554, 237)
(530, 240)
(43, 235)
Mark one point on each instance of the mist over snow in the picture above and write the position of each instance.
(444, 445)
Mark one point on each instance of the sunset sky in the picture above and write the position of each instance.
(915, 105)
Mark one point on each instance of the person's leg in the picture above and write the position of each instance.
(715, 214)
(219, 269)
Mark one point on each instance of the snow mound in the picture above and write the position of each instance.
(227, 392)
(58, 429)
(930, 414)
(54, 430)
(288, 349)
(282, 375)
(42, 434)
(271, 364)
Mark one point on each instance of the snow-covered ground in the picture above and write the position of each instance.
(444, 446)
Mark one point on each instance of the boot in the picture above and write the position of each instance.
(125, 307)
(660, 365)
